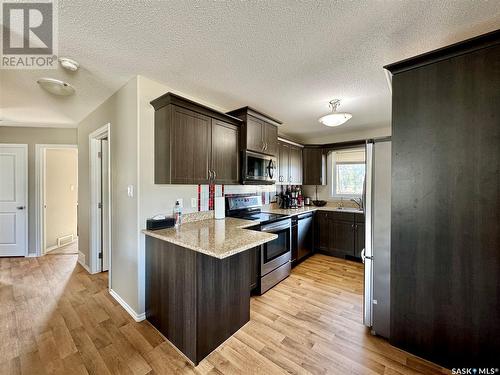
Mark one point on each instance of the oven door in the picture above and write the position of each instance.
(277, 252)
(258, 168)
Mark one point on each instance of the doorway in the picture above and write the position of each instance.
(13, 200)
(100, 201)
(56, 179)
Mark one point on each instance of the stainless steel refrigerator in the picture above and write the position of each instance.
(377, 252)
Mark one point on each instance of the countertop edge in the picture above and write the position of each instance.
(209, 253)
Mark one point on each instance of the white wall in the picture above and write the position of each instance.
(120, 111)
(61, 194)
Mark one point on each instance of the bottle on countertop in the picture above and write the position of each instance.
(178, 213)
(300, 198)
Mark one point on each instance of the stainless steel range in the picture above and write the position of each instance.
(275, 256)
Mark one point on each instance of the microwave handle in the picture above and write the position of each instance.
(271, 169)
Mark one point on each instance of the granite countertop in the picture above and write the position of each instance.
(217, 238)
(305, 209)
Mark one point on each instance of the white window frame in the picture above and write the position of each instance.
(333, 192)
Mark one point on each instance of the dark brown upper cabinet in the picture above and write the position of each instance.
(225, 155)
(295, 165)
(289, 164)
(259, 132)
(314, 166)
(283, 163)
(194, 144)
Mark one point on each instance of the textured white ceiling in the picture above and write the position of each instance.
(284, 57)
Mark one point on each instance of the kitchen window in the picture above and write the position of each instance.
(348, 173)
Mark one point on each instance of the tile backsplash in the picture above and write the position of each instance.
(206, 193)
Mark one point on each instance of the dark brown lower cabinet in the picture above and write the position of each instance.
(322, 231)
(340, 234)
(359, 240)
(342, 237)
(254, 267)
(196, 301)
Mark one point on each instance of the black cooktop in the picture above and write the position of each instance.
(263, 217)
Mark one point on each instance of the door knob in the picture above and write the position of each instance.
(21, 207)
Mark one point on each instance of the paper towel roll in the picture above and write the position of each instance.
(220, 208)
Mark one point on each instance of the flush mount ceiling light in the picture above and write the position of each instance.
(335, 118)
(56, 86)
(69, 64)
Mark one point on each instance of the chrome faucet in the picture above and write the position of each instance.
(359, 202)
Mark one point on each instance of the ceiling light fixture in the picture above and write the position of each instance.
(335, 118)
(69, 64)
(56, 86)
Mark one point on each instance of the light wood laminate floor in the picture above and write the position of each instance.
(55, 318)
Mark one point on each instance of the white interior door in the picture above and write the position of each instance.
(13, 200)
(105, 204)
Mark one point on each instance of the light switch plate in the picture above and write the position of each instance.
(130, 191)
(181, 202)
(194, 203)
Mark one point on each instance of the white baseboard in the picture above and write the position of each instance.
(137, 317)
(50, 249)
(81, 260)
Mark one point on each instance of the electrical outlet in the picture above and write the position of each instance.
(194, 203)
(181, 202)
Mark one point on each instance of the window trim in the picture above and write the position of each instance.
(333, 192)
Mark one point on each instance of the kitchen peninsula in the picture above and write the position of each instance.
(197, 282)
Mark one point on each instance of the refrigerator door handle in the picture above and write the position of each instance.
(364, 257)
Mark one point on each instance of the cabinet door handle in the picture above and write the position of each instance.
(215, 174)
(210, 175)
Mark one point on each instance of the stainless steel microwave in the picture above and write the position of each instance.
(258, 169)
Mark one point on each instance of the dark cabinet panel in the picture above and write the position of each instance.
(359, 228)
(254, 134)
(190, 149)
(313, 166)
(359, 239)
(283, 162)
(192, 141)
(322, 230)
(342, 241)
(225, 155)
(289, 164)
(259, 132)
(339, 234)
(196, 301)
(254, 267)
(445, 236)
(270, 139)
(295, 176)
